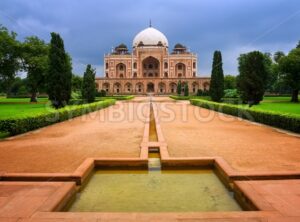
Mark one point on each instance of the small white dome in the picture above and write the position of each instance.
(150, 37)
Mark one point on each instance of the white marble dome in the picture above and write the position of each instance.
(150, 37)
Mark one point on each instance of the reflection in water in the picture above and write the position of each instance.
(189, 190)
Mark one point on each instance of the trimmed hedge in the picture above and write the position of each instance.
(116, 97)
(189, 97)
(180, 97)
(285, 121)
(20, 125)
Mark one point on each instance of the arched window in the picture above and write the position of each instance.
(194, 74)
(165, 65)
(106, 65)
(134, 75)
(194, 65)
(120, 70)
(106, 74)
(166, 74)
(134, 65)
(179, 67)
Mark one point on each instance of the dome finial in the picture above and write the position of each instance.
(150, 24)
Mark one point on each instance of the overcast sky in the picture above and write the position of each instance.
(91, 27)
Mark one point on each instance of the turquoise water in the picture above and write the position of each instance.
(190, 190)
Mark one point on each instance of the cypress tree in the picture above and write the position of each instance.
(88, 84)
(179, 88)
(59, 76)
(186, 89)
(254, 68)
(217, 78)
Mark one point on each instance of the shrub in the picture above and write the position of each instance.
(232, 100)
(285, 121)
(201, 92)
(24, 124)
(101, 93)
(186, 89)
(76, 95)
(116, 97)
(231, 93)
(179, 97)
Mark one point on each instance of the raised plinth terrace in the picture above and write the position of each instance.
(146, 163)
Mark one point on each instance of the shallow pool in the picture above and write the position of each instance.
(188, 190)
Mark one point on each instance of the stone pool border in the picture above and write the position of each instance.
(244, 193)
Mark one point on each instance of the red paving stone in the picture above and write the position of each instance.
(245, 146)
(62, 147)
(281, 195)
(23, 199)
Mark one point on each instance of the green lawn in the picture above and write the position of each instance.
(18, 107)
(278, 104)
(20, 100)
(176, 97)
(19, 110)
(9, 107)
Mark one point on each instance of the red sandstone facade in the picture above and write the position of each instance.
(150, 68)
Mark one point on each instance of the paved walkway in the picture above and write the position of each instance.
(191, 131)
(60, 148)
(118, 131)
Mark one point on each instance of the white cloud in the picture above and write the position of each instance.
(33, 26)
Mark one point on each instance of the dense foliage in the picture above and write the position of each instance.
(217, 78)
(229, 82)
(9, 58)
(35, 62)
(23, 124)
(59, 77)
(88, 84)
(76, 83)
(186, 89)
(285, 121)
(179, 88)
(254, 69)
(290, 68)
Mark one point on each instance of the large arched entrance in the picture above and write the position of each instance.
(150, 87)
(151, 67)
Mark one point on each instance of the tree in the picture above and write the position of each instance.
(278, 55)
(18, 87)
(217, 78)
(179, 88)
(59, 76)
(76, 82)
(88, 84)
(254, 68)
(229, 82)
(9, 57)
(298, 45)
(290, 67)
(35, 62)
(186, 89)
